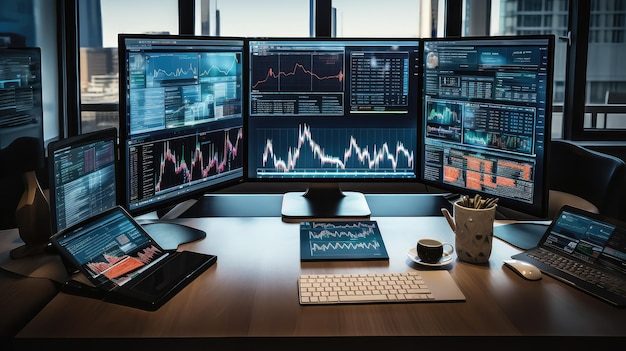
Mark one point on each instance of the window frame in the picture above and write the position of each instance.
(574, 106)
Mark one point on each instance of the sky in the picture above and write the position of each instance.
(139, 16)
(252, 18)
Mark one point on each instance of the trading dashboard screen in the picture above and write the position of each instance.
(20, 95)
(181, 100)
(486, 117)
(82, 176)
(343, 109)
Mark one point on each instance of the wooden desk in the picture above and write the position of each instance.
(249, 299)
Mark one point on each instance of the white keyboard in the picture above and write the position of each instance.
(320, 289)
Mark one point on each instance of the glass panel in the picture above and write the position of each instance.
(253, 18)
(512, 17)
(606, 79)
(33, 24)
(391, 18)
(101, 21)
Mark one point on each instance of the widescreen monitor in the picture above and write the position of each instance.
(181, 117)
(82, 177)
(325, 111)
(486, 117)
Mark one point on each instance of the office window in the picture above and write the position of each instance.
(253, 18)
(100, 22)
(547, 21)
(530, 20)
(390, 18)
(32, 23)
(359, 18)
(529, 5)
(606, 79)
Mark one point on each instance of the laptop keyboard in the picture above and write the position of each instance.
(581, 271)
(363, 288)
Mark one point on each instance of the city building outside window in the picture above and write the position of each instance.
(100, 22)
(605, 80)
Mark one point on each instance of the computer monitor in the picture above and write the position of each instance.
(82, 177)
(21, 135)
(181, 119)
(21, 97)
(487, 106)
(324, 111)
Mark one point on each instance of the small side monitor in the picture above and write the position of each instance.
(82, 177)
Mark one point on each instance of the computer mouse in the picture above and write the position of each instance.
(524, 269)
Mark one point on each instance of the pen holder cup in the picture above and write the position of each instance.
(473, 229)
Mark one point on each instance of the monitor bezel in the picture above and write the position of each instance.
(192, 193)
(539, 207)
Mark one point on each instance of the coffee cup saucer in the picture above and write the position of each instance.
(445, 260)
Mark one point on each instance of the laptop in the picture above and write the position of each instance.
(585, 250)
(82, 176)
(122, 261)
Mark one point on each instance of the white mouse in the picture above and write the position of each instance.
(524, 269)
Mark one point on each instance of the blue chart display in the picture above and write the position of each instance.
(172, 90)
(351, 240)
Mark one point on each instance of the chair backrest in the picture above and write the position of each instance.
(615, 97)
(594, 176)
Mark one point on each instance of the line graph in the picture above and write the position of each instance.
(365, 149)
(163, 69)
(178, 72)
(341, 240)
(327, 231)
(342, 247)
(305, 72)
(223, 64)
(194, 158)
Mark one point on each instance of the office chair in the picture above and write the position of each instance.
(597, 178)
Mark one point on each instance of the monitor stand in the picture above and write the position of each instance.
(524, 234)
(169, 235)
(324, 201)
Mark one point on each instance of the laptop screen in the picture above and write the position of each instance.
(589, 239)
(82, 177)
(110, 247)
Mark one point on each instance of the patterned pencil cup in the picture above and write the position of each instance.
(474, 233)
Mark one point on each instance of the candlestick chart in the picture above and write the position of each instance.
(197, 157)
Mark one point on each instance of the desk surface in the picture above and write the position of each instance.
(250, 295)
